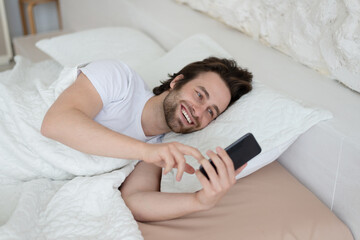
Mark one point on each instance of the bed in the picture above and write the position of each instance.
(268, 202)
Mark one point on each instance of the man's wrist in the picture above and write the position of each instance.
(199, 205)
(141, 150)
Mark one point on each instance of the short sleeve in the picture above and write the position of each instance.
(111, 79)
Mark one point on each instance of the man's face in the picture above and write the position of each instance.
(197, 103)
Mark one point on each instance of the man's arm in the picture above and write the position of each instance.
(70, 121)
(141, 193)
(141, 190)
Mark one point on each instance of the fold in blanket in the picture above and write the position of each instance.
(25, 96)
(82, 208)
(53, 202)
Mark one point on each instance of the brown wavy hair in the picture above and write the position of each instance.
(236, 78)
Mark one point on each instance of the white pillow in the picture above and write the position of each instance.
(125, 44)
(275, 120)
(192, 49)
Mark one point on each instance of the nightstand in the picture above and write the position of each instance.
(5, 43)
(25, 45)
(30, 5)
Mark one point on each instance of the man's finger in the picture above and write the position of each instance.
(189, 169)
(219, 164)
(239, 170)
(169, 164)
(187, 150)
(227, 161)
(211, 172)
(203, 180)
(181, 169)
(180, 162)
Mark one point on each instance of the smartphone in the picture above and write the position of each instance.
(241, 151)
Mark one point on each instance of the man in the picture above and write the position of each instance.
(108, 111)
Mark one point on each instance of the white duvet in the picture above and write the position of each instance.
(48, 190)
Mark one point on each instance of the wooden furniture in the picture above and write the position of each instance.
(30, 7)
(5, 44)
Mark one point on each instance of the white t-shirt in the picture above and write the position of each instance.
(123, 93)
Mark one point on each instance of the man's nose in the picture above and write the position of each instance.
(198, 109)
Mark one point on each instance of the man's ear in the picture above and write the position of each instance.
(174, 81)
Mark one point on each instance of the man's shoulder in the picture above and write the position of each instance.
(107, 65)
(134, 83)
(114, 68)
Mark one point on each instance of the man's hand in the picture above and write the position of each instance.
(219, 183)
(171, 155)
(143, 184)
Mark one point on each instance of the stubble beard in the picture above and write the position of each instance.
(171, 104)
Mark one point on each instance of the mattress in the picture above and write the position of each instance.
(269, 204)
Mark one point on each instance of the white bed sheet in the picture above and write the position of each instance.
(61, 194)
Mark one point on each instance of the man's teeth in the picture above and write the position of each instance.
(186, 116)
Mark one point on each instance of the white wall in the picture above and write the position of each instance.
(45, 15)
(322, 34)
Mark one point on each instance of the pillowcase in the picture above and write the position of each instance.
(275, 120)
(125, 44)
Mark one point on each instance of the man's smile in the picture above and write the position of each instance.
(187, 115)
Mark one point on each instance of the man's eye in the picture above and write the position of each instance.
(210, 112)
(199, 95)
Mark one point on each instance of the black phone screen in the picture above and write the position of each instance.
(241, 151)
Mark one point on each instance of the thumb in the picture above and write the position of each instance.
(189, 169)
(239, 170)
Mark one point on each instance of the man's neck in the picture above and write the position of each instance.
(153, 118)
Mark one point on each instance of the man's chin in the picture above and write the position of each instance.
(187, 130)
(180, 128)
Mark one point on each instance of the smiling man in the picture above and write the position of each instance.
(195, 116)
(109, 111)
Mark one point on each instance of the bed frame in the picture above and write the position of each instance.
(325, 159)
